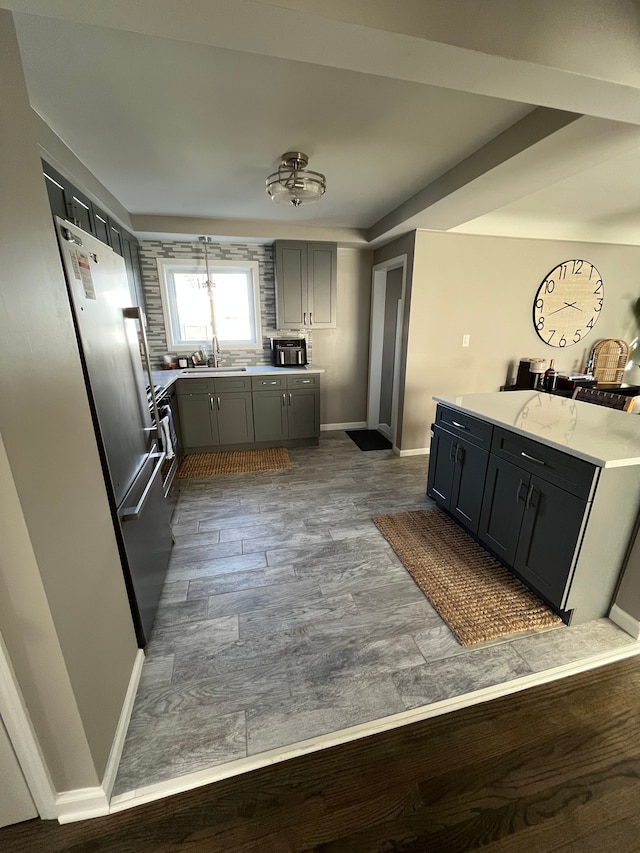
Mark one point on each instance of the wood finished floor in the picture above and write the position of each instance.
(287, 616)
(555, 769)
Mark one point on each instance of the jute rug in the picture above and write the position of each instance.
(477, 597)
(234, 462)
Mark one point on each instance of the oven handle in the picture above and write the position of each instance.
(134, 512)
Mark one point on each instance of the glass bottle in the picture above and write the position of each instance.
(550, 377)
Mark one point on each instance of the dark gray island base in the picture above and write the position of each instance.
(530, 481)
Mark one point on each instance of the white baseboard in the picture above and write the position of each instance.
(94, 802)
(416, 451)
(624, 621)
(354, 425)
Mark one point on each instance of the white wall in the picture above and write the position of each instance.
(484, 287)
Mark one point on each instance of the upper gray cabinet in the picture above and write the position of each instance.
(306, 284)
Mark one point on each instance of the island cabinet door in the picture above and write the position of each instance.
(503, 508)
(468, 483)
(441, 466)
(551, 530)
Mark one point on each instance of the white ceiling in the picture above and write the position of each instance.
(182, 118)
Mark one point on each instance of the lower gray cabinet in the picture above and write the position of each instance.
(272, 408)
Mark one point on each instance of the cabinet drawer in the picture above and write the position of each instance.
(574, 475)
(232, 383)
(474, 430)
(194, 386)
(268, 383)
(298, 380)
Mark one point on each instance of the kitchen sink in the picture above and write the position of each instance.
(211, 371)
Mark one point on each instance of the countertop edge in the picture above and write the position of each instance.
(570, 451)
(166, 378)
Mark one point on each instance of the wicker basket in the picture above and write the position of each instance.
(610, 358)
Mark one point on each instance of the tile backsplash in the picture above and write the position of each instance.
(151, 250)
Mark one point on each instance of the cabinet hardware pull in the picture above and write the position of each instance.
(460, 458)
(531, 458)
(519, 491)
(529, 496)
(452, 451)
(218, 403)
(210, 401)
(311, 318)
(304, 318)
(284, 399)
(304, 381)
(289, 399)
(460, 426)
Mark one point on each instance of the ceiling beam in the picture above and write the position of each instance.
(453, 49)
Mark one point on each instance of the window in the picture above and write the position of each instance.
(191, 313)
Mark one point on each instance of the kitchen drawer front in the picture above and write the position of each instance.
(473, 430)
(298, 380)
(268, 383)
(194, 386)
(232, 383)
(573, 475)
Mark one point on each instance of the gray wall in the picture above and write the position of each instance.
(63, 607)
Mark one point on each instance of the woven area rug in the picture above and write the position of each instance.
(477, 597)
(234, 462)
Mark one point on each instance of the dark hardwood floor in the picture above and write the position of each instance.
(555, 768)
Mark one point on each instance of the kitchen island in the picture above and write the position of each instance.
(548, 485)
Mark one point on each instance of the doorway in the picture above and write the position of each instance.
(387, 310)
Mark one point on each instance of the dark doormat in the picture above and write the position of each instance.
(369, 439)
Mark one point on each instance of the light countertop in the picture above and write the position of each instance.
(606, 437)
(166, 378)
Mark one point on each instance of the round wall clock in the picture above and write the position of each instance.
(568, 303)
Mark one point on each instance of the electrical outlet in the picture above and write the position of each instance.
(465, 340)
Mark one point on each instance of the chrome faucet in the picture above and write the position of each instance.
(217, 355)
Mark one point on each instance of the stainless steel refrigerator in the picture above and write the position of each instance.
(110, 333)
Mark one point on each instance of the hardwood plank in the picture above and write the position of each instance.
(555, 769)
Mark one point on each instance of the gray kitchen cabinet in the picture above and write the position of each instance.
(303, 412)
(198, 424)
(306, 284)
(267, 410)
(234, 415)
(270, 415)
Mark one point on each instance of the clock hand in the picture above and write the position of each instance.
(572, 305)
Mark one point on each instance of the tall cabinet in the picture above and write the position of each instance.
(306, 284)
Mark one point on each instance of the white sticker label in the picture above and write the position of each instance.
(74, 264)
(85, 275)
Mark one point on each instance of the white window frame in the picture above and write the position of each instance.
(197, 266)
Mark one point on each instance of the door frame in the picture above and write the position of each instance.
(376, 342)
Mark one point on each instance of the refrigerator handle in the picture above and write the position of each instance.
(133, 513)
(135, 313)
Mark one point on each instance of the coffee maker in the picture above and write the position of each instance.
(530, 372)
(288, 352)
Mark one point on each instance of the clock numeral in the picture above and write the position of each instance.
(553, 331)
(549, 285)
(562, 342)
(539, 304)
(563, 271)
(590, 323)
(540, 324)
(577, 267)
(599, 287)
(598, 306)
(577, 336)
(591, 271)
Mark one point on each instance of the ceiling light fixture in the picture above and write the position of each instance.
(293, 183)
